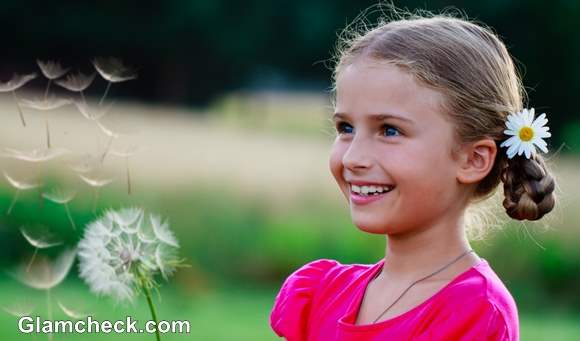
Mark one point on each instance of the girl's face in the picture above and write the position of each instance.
(408, 147)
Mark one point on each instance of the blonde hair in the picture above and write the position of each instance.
(472, 68)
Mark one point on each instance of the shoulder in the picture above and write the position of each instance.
(479, 303)
(292, 305)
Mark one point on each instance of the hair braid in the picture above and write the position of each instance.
(528, 188)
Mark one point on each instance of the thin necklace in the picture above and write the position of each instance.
(409, 287)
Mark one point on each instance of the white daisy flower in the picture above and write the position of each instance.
(123, 250)
(525, 132)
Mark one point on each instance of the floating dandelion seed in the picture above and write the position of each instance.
(12, 85)
(122, 251)
(45, 105)
(113, 71)
(19, 309)
(126, 154)
(46, 274)
(111, 134)
(92, 115)
(84, 163)
(51, 70)
(62, 197)
(96, 184)
(77, 83)
(35, 155)
(71, 313)
(42, 240)
(19, 186)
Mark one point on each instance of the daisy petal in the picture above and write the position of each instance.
(528, 152)
(509, 132)
(514, 147)
(544, 129)
(510, 125)
(518, 120)
(511, 154)
(521, 148)
(540, 121)
(509, 141)
(544, 134)
(541, 144)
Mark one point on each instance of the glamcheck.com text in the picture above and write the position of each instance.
(28, 324)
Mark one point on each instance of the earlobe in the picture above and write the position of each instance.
(476, 161)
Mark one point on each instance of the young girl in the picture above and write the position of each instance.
(423, 107)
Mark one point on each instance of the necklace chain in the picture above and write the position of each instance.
(409, 287)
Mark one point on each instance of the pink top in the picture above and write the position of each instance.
(320, 301)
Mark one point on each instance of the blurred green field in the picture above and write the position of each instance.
(250, 204)
(239, 312)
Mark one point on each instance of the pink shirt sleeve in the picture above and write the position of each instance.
(475, 319)
(291, 310)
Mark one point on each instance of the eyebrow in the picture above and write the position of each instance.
(375, 117)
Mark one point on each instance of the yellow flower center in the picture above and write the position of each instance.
(526, 133)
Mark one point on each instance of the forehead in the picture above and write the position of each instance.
(366, 87)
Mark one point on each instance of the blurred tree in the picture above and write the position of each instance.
(192, 51)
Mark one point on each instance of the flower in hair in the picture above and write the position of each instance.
(525, 132)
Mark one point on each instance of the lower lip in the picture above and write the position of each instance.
(363, 200)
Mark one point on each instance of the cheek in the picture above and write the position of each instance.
(427, 170)
(335, 161)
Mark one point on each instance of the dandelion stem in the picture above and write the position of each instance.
(107, 149)
(40, 199)
(105, 94)
(49, 309)
(19, 108)
(13, 201)
(69, 216)
(128, 175)
(47, 88)
(149, 302)
(32, 259)
(95, 201)
(47, 135)
(83, 98)
(97, 138)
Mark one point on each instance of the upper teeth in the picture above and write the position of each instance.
(370, 189)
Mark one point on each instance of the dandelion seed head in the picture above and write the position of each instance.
(119, 246)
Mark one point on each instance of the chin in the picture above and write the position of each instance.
(370, 225)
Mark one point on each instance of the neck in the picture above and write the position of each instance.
(413, 255)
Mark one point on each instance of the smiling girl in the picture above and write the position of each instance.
(423, 106)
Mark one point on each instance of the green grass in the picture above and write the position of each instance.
(217, 315)
(234, 312)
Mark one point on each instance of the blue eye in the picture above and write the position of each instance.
(345, 128)
(340, 128)
(391, 128)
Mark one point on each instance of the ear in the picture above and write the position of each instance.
(476, 160)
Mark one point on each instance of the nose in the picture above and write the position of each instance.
(358, 155)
